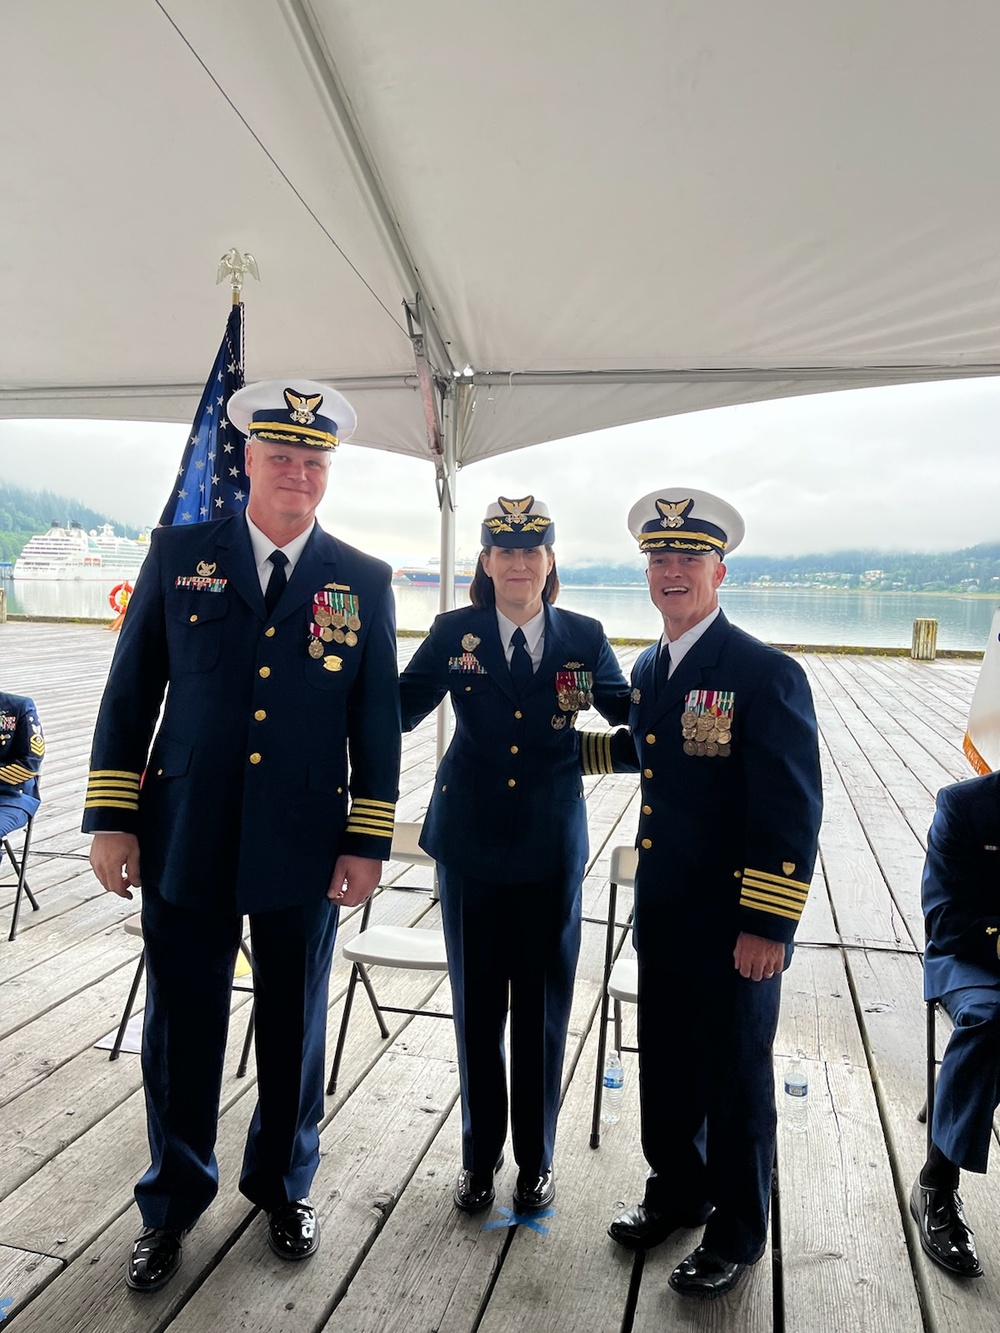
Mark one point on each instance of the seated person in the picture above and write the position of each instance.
(962, 971)
(21, 748)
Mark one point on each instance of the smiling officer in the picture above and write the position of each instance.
(724, 735)
(269, 789)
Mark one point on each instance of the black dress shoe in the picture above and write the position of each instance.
(293, 1230)
(705, 1275)
(945, 1235)
(641, 1227)
(155, 1258)
(474, 1190)
(532, 1193)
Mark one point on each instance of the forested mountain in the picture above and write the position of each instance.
(974, 569)
(23, 513)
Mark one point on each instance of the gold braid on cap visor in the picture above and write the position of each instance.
(681, 541)
(280, 432)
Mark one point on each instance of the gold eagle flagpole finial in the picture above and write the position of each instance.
(237, 266)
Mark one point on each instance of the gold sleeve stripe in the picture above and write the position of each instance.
(112, 788)
(374, 806)
(105, 803)
(763, 876)
(789, 889)
(761, 902)
(15, 773)
(595, 752)
(355, 825)
(771, 911)
(115, 773)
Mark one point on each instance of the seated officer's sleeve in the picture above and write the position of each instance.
(421, 686)
(23, 757)
(129, 708)
(955, 919)
(778, 741)
(373, 739)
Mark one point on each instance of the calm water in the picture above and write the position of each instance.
(779, 615)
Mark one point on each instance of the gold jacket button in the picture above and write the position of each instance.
(511, 782)
(647, 843)
(255, 758)
(340, 791)
(269, 632)
(518, 714)
(513, 749)
(260, 715)
(265, 672)
(192, 619)
(650, 739)
(159, 772)
(647, 772)
(444, 787)
(468, 689)
(647, 809)
(737, 874)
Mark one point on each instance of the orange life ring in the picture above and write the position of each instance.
(118, 597)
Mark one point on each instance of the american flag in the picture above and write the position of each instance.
(211, 481)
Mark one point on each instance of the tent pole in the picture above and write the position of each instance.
(447, 476)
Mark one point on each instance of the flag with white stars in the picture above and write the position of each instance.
(211, 482)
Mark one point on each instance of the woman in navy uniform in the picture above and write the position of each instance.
(507, 825)
(962, 970)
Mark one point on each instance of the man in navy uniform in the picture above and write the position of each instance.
(725, 738)
(22, 746)
(268, 788)
(961, 897)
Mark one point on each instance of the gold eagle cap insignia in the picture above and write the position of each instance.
(788, 867)
(205, 570)
(301, 408)
(517, 510)
(673, 512)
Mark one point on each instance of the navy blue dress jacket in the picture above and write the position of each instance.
(268, 761)
(22, 746)
(961, 888)
(727, 842)
(508, 798)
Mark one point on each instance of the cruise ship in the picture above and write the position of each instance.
(428, 575)
(71, 553)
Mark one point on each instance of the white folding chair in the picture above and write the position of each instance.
(133, 926)
(621, 976)
(411, 947)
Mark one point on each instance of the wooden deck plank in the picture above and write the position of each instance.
(414, 1262)
(842, 1240)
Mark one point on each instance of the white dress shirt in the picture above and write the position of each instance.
(263, 546)
(534, 636)
(686, 641)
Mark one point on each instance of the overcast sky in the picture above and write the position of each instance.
(914, 467)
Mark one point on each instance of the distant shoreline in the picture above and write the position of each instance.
(801, 587)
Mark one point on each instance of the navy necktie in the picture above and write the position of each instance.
(662, 667)
(276, 583)
(521, 669)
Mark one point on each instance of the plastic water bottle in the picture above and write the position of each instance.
(796, 1112)
(614, 1082)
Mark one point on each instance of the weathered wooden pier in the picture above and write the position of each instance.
(396, 1256)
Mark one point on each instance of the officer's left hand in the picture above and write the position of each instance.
(355, 878)
(757, 958)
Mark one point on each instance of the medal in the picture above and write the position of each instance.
(326, 634)
(338, 619)
(354, 623)
(322, 617)
(315, 648)
(350, 638)
(339, 636)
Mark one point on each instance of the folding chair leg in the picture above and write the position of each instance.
(247, 1042)
(22, 879)
(331, 1086)
(129, 1004)
(366, 981)
(602, 1033)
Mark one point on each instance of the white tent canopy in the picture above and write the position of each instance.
(597, 214)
